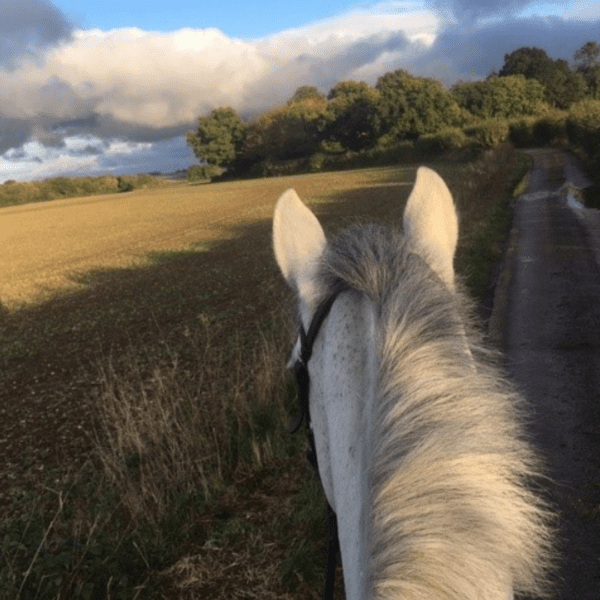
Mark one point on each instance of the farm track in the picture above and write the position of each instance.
(551, 289)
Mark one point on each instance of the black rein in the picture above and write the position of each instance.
(300, 370)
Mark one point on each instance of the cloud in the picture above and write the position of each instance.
(473, 52)
(584, 10)
(471, 11)
(28, 27)
(68, 96)
(322, 65)
(151, 86)
(92, 156)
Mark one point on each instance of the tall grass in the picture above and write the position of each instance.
(172, 435)
(174, 428)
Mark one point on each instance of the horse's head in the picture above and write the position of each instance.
(343, 369)
(418, 437)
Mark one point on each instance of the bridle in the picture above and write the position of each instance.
(300, 371)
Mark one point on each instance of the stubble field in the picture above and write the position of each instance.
(120, 316)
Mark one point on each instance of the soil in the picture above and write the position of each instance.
(548, 303)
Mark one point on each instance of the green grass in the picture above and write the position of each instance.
(486, 247)
(193, 487)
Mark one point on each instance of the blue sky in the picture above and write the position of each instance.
(113, 87)
(240, 19)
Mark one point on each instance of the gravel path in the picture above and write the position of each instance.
(548, 305)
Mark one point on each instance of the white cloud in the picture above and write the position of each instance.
(584, 11)
(144, 89)
(149, 86)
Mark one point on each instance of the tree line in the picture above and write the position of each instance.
(355, 117)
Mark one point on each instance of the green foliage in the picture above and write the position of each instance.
(350, 115)
(283, 133)
(311, 130)
(588, 56)
(504, 97)
(538, 131)
(489, 133)
(563, 86)
(219, 137)
(12, 193)
(202, 172)
(124, 184)
(306, 92)
(587, 60)
(316, 162)
(592, 78)
(450, 138)
(410, 106)
(549, 129)
(63, 186)
(583, 130)
(304, 560)
(521, 132)
(128, 183)
(49, 552)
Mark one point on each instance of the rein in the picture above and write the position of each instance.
(300, 370)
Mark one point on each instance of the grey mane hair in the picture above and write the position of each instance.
(450, 470)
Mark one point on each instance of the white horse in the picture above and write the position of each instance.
(420, 443)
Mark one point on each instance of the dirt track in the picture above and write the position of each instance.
(548, 299)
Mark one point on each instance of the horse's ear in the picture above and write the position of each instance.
(299, 242)
(431, 223)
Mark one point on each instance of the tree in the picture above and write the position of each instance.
(588, 64)
(503, 97)
(219, 138)
(588, 56)
(306, 92)
(410, 106)
(563, 87)
(532, 63)
(350, 115)
(285, 132)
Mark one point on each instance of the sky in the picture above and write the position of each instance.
(91, 88)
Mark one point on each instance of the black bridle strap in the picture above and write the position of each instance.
(301, 366)
(333, 547)
(303, 384)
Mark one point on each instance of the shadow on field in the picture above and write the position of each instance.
(49, 352)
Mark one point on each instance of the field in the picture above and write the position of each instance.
(143, 394)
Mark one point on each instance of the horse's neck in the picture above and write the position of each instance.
(343, 380)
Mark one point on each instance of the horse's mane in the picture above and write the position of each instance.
(449, 467)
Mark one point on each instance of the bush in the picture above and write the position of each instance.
(63, 186)
(316, 162)
(521, 132)
(12, 193)
(543, 132)
(450, 138)
(125, 184)
(583, 130)
(203, 172)
(489, 133)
